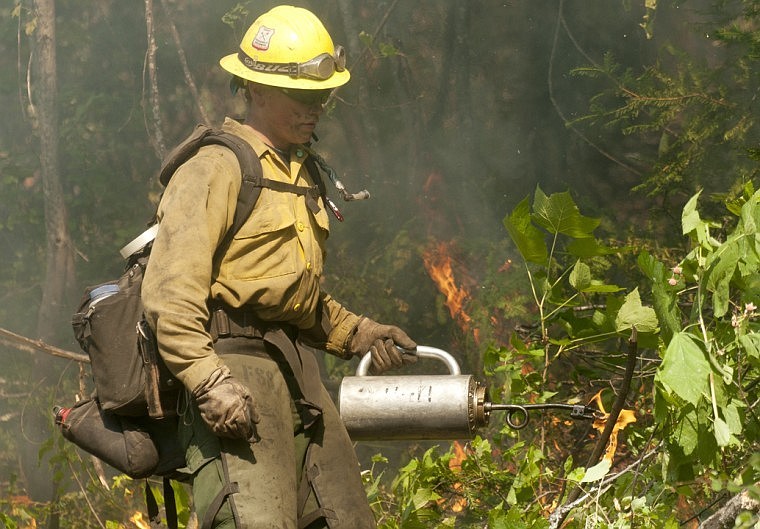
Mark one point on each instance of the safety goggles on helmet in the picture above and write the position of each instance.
(321, 67)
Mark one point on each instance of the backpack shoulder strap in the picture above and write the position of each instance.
(250, 166)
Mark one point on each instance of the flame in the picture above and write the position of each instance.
(137, 519)
(438, 265)
(455, 502)
(455, 463)
(625, 418)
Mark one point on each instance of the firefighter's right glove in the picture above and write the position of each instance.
(226, 406)
(381, 341)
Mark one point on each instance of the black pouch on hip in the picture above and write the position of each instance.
(135, 447)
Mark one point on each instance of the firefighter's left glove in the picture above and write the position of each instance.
(381, 341)
(227, 406)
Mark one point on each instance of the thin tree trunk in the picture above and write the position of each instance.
(60, 257)
(60, 260)
(155, 129)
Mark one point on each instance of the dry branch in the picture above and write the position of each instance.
(559, 515)
(22, 343)
(726, 516)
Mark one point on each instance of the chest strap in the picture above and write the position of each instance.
(312, 193)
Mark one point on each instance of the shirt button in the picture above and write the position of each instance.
(300, 226)
(299, 153)
(308, 265)
(297, 307)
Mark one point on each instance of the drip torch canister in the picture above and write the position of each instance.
(428, 407)
(404, 407)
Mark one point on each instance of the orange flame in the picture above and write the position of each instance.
(438, 265)
(625, 418)
(455, 502)
(137, 519)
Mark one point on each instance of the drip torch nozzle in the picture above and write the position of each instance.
(517, 414)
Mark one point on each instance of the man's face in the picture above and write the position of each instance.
(290, 116)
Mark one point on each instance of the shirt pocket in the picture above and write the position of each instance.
(266, 245)
(321, 219)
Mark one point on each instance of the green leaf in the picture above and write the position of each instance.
(601, 288)
(751, 344)
(685, 368)
(690, 219)
(528, 239)
(733, 419)
(663, 299)
(633, 313)
(558, 213)
(686, 433)
(590, 247)
(423, 496)
(722, 433)
(693, 225)
(719, 276)
(580, 277)
(597, 472)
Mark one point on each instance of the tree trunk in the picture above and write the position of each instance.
(60, 261)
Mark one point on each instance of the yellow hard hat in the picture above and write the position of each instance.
(290, 48)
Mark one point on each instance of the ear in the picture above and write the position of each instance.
(255, 93)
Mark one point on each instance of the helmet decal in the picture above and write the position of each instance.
(262, 38)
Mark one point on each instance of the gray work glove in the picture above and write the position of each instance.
(226, 406)
(381, 341)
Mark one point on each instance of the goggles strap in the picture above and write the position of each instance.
(291, 69)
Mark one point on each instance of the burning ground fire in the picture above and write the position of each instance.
(438, 263)
(137, 519)
(456, 502)
(625, 418)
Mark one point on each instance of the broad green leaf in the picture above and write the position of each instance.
(685, 368)
(749, 214)
(690, 219)
(423, 496)
(719, 276)
(528, 239)
(722, 433)
(686, 433)
(663, 299)
(693, 225)
(559, 214)
(589, 247)
(597, 472)
(633, 313)
(580, 277)
(751, 344)
(601, 288)
(733, 419)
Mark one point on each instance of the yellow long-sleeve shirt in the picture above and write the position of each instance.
(273, 264)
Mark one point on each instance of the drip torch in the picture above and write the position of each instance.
(427, 407)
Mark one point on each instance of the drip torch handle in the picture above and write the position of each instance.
(423, 351)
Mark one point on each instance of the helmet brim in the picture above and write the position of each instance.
(233, 65)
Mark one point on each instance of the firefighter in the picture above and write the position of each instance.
(235, 324)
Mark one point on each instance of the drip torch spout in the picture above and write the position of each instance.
(518, 414)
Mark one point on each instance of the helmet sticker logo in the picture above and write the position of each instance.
(262, 38)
